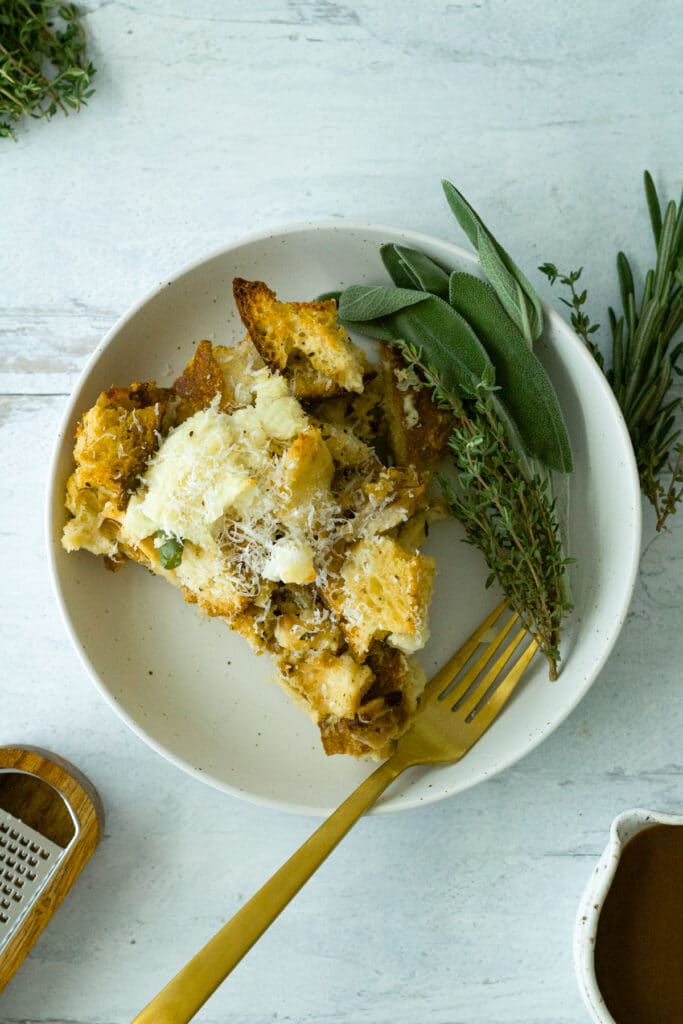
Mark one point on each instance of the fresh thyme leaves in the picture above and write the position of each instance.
(508, 515)
(643, 362)
(43, 62)
(580, 321)
(471, 343)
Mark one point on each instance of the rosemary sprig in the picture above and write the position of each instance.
(643, 362)
(508, 515)
(43, 62)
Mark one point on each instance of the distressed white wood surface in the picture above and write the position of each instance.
(210, 120)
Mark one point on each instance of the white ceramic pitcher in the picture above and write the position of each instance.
(624, 827)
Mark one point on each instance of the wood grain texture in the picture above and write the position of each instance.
(44, 810)
(217, 118)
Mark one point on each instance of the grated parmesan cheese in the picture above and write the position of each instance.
(225, 483)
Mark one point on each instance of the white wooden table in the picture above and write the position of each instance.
(212, 119)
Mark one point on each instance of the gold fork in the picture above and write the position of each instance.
(450, 721)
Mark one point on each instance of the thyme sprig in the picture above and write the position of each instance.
(508, 515)
(643, 361)
(580, 321)
(43, 63)
(472, 342)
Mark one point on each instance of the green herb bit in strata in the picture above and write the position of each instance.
(169, 548)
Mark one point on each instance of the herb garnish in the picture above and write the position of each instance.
(471, 343)
(170, 549)
(643, 363)
(43, 63)
(580, 321)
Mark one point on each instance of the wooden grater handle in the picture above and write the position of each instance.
(67, 784)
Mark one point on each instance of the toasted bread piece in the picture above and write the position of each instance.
(217, 371)
(326, 684)
(390, 497)
(381, 592)
(418, 430)
(114, 439)
(306, 470)
(239, 364)
(385, 711)
(201, 382)
(116, 436)
(302, 340)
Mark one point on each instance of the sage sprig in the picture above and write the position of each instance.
(362, 302)
(470, 342)
(525, 388)
(644, 361)
(513, 288)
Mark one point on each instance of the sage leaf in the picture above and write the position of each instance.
(446, 342)
(326, 296)
(396, 267)
(518, 295)
(363, 302)
(506, 287)
(466, 217)
(525, 388)
(423, 272)
(527, 461)
(370, 328)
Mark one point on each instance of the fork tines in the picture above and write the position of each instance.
(475, 682)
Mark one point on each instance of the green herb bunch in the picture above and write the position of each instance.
(43, 63)
(643, 362)
(471, 342)
(507, 513)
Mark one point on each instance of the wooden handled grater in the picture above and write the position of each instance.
(50, 823)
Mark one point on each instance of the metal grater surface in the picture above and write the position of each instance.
(27, 859)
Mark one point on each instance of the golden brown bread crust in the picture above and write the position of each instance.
(200, 382)
(116, 436)
(302, 340)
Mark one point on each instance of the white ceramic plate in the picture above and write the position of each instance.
(194, 691)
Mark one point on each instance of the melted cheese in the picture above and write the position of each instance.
(290, 561)
(222, 481)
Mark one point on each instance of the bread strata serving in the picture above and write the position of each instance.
(281, 484)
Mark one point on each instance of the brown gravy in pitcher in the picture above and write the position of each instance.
(639, 941)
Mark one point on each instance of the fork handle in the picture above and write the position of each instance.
(185, 994)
